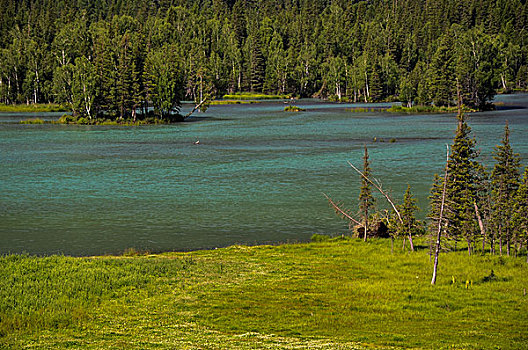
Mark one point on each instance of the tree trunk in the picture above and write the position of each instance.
(366, 226)
(481, 225)
(366, 87)
(410, 239)
(500, 246)
(439, 231)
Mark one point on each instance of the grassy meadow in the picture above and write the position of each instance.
(39, 107)
(343, 294)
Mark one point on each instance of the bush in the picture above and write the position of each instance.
(316, 237)
(68, 119)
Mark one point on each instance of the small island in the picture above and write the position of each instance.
(292, 108)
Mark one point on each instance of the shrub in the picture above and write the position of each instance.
(316, 237)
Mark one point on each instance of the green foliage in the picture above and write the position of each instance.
(164, 81)
(409, 226)
(231, 102)
(51, 107)
(316, 237)
(505, 182)
(254, 96)
(366, 199)
(427, 109)
(292, 108)
(464, 172)
(442, 87)
(343, 293)
(519, 220)
(345, 51)
(32, 121)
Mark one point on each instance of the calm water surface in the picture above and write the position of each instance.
(257, 176)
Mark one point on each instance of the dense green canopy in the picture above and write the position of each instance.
(417, 51)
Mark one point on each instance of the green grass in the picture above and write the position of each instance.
(41, 107)
(331, 294)
(33, 121)
(293, 109)
(427, 109)
(150, 120)
(365, 109)
(231, 102)
(254, 96)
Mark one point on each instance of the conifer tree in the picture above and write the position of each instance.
(441, 73)
(366, 200)
(163, 81)
(256, 64)
(520, 214)
(461, 190)
(504, 181)
(409, 224)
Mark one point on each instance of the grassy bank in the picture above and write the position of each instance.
(70, 119)
(254, 96)
(231, 102)
(428, 109)
(344, 294)
(41, 107)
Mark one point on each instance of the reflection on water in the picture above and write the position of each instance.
(257, 175)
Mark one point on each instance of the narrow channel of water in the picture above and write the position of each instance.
(257, 175)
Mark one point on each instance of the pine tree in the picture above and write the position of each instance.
(463, 179)
(409, 224)
(163, 82)
(442, 73)
(520, 214)
(257, 65)
(505, 181)
(366, 200)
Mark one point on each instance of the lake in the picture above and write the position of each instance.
(257, 176)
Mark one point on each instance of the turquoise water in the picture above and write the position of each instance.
(257, 175)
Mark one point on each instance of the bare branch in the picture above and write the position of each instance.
(195, 108)
(341, 211)
(378, 187)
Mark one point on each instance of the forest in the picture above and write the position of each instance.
(127, 58)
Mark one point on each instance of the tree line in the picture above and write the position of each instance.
(485, 210)
(128, 57)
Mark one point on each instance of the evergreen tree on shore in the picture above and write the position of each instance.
(504, 181)
(520, 214)
(409, 225)
(462, 187)
(366, 200)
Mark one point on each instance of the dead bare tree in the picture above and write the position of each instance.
(341, 211)
(198, 106)
(377, 185)
(440, 219)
